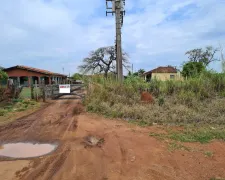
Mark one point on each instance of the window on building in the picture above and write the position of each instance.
(172, 76)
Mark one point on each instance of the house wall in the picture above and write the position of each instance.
(17, 73)
(166, 76)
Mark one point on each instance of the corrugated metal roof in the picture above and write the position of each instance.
(35, 70)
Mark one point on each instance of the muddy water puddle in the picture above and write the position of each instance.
(26, 150)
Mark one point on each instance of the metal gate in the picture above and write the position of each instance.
(52, 91)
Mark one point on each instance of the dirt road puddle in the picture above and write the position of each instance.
(26, 150)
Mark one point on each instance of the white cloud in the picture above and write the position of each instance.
(55, 33)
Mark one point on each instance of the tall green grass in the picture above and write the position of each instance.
(195, 100)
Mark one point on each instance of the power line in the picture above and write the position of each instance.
(117, 8)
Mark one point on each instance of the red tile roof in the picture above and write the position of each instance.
(42, 71)
(168, 69)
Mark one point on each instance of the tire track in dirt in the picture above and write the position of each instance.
(111, 161)
(123, 155)
(57, 164)
(71, 127)
(61, 158)
(21, 124)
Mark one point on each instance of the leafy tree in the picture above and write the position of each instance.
(141, 72)
(3, 75)
(77, 76)
(102, 60)
(192, 69)
(204, 56)
(129, 73)
(135, 74)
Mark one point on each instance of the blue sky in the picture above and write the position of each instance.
(52, 34)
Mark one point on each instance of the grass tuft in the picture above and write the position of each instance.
(17, 105)
(202, 135)
(175, 146)
(208, 154)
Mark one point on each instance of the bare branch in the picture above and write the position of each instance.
(205, 56)
(102, 60)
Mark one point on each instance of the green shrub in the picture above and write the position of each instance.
(135, 82)
(17, 100)
(194, 100)
(187, 97)
(3, 112)
(161, 101)
(202, 135)
(3, 75)
(155, 87)
(171, 87)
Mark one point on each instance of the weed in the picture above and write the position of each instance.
(155, 87)
(217, 178)
(21, 109)
(17, 105)
(17, 100)
(143, 123)
(208, 153)
(194, 101)
(2, 112)
(203, 135)
(158, 136)
(175, 146)
(161, 101)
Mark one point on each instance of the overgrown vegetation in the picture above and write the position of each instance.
(195, 100)
(17, 105)
(3, 75)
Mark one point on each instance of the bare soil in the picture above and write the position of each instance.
(127, 152)
(12, 116)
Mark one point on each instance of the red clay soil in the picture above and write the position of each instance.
(146, 97)
(127, 153)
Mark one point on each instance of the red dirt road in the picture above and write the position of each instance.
(128, 152)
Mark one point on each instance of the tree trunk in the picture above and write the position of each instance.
(105, 74)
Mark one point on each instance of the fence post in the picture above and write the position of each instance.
(36, 91)
(14, 87)
(43, 90)
(52, 91)
(32, 90)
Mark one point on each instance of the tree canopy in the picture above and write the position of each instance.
(3, 75)
(192, 69)
(140, 72)
(205, 56)
(77, 76)
(102, 60)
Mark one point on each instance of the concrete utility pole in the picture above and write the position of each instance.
(117, 9)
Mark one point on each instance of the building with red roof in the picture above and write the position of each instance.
(26, 76)
(163, 74)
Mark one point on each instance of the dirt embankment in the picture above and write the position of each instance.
(127, 152)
